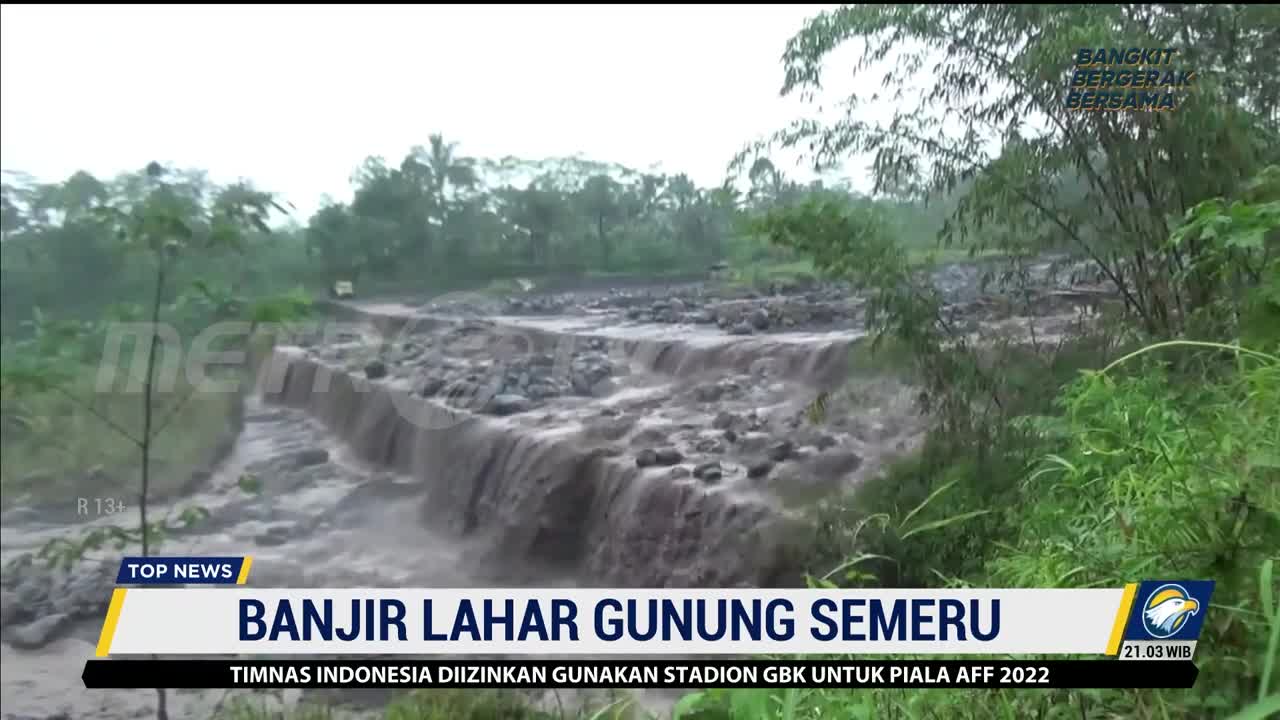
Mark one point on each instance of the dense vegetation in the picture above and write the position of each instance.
(438, 221)
(1163, 457)
(435, 221)
(1147, 446)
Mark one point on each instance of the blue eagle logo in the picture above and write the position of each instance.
(1167, 609)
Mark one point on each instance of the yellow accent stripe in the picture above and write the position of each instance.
(109, 625)
(1122, 616)
(244, 570)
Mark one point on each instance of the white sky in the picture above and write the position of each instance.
(296, 97)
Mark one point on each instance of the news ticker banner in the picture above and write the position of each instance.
(1150, 620)
(646, 674)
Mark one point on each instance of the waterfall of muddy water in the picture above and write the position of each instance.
(421, 448)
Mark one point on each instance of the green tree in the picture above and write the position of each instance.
(599, 200)
(160, 226)
(999, 71)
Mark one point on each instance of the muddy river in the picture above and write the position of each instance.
(654, 437)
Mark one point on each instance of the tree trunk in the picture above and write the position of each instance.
(148, 391)
(605, 250)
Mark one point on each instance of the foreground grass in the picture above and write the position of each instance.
(1147, 470)
(445, 705)
(1144, 470)
(57, 447)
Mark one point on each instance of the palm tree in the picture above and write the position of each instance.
(441, 174)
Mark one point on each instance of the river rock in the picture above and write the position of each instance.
(834, 464)
(375, 370)
(309, 457)
(610, 428)
(759, 319)
(646, 458)
(543, 390)
(759, 469)
(275, 535)
(752, 442)
(679, 472)
(507, 404)
(38, 633)
(710, 445)
(714, 392)
(587, 371)
(741, 329)
(649, 436)
(781, 451)
(668, 456)
(724, 420)
(432, 386)
(708, 472)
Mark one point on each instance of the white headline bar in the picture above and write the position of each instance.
(240, 620)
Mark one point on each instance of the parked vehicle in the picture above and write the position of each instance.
(342, 290)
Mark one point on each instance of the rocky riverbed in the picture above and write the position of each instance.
(643, 437)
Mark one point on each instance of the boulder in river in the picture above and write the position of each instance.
(713, 392)
(752, 442)
(507, 404)
(274, 536)
(709, 471)
(310, 456)
(38, 633)
(668, 456)
(432, 386)
(646, 458)
(375, 370)
(711, 445)
(782, 450)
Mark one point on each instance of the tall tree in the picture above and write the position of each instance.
(598, 198)
(999, 71)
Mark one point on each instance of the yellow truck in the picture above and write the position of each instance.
(342, 290)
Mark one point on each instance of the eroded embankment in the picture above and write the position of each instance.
(426, 450)
(680, 351)
(662, 461)
(563, 491)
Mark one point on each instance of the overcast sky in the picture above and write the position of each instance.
(295, 97)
